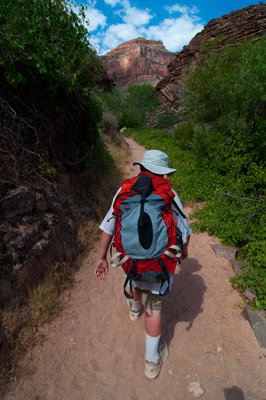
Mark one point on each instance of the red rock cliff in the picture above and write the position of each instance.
(230, 28)
(137, 60)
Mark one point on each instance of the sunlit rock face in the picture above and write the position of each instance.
(138, 60)
(229, 29)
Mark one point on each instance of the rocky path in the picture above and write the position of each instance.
(92, 351)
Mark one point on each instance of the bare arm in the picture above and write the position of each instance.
(184, 251)
(102, 267)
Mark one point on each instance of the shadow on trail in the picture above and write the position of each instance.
(184, 302)
(234, 393)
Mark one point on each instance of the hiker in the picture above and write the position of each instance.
(141, 293)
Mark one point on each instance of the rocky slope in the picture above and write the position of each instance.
(138, 60)
(230, 28)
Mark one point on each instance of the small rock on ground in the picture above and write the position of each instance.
(196, 389)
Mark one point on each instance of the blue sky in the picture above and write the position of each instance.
(112, 22)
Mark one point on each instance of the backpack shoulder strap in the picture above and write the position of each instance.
(179, 209)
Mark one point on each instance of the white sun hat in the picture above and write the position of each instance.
(156, 162)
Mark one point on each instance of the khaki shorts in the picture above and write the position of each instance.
(152, 301)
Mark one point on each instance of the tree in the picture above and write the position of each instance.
(47, 37)
(226, 101)
(47, 68)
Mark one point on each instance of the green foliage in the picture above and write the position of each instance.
(131, 108)
(113, 101)
(166, 120)
(226, 102)
(130, 118)
(100, 161)
(142, 98)
(47, 169)
(47, 37)
(47, 70)
(226, 99)
(183, 135)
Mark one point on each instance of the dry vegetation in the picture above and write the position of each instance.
(20, 325)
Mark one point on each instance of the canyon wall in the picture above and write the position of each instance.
(231, 28)
(138, 60)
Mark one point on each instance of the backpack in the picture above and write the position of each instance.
(147, 239)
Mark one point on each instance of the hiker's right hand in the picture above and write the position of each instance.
(101, 269)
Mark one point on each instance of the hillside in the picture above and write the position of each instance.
(138, 60)
(231, 28)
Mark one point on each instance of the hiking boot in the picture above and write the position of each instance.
(133, 315)
(152, 369)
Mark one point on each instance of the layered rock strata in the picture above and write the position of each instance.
(36, 231)
(138, 60)
(229, 29)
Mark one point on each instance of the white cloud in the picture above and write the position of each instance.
(136, 16)
(181, 9)
(122, 3)
(174, 32)
(112, 2)
(117, 34)
(96, 18)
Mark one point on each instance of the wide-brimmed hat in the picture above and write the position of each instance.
(156, 162)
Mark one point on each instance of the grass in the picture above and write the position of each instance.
(20, 324)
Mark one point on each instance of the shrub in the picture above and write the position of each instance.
(132, 107)
(129, 118)
(46, 62)
(54, 43)
(183, 135)
(226, 102)
(166, 120)
(113, 101)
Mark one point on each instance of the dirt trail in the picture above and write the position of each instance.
(92, 350)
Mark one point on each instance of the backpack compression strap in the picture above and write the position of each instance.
(131, 275)
(167, 253)
(166, 277)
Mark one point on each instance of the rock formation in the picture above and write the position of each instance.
(36, 230)
(230, 28)
(138, 60)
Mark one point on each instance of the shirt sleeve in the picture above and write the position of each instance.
(108, 223)
(181, 222)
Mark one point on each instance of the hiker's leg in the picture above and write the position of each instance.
(134, 304)
(153, 328)
(136, 293)
(153, 322)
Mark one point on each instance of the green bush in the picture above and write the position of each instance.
(142, 98)
(131, 107)
(226, 98)
(47, 37)
(183, 135)
(166, 120)
(129, 118)
(49, 115)
(113, 101)
(226, 102)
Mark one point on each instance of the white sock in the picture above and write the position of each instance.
(152, 345)
(136, 305)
